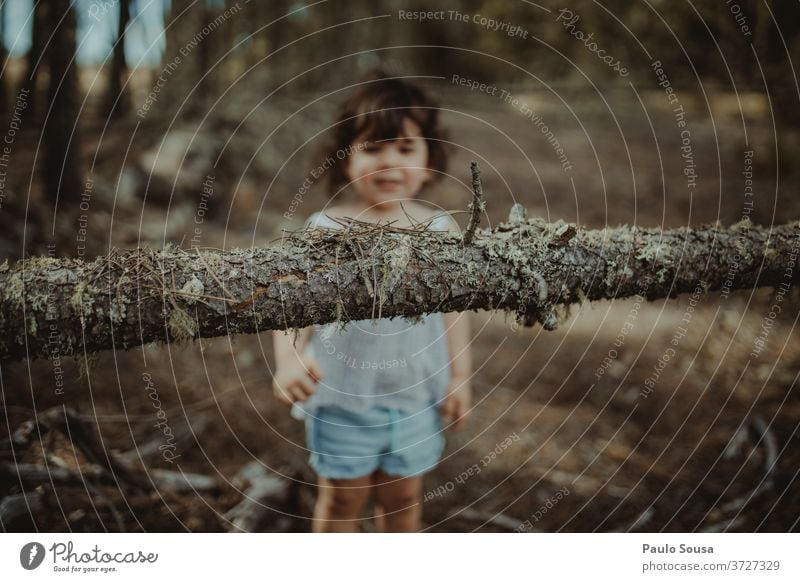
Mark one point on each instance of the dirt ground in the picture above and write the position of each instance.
(602, 436)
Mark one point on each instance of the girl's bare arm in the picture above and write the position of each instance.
(285, 346)
(458, 399)
(458, 335)
(295, 375)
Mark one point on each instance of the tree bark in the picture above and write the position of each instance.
(62, 307)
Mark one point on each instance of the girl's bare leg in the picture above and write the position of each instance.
(399, 502)
(380, 520)
(339, 504)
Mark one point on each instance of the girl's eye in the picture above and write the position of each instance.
(372, 148)
(407, 150)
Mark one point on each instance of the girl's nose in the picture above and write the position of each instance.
(389, 157)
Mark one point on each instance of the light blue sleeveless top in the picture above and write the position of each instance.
(384, 362)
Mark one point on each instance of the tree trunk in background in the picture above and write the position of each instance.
(214, 46)
(780, 77)
(62, 166)
(61, 307)
(245, 29)
(117, 102)
(34, 59)
(234, 63)
(284, 64)
(773, 26)
(182, 89)
(3, 60)
(769, 71)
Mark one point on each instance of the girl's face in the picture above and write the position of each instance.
(391, 170)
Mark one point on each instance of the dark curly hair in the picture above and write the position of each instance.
(375, 111)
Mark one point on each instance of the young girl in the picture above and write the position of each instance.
(377, 395)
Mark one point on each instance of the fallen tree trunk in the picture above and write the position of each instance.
(63, 307)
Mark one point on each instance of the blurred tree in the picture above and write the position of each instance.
(234, 34)
(40, 32)
(780, 48)
(117, 99)
(3, 59)
(261, 36)
(212, 47)
(198, 35)
(183, 24)
(62, 138)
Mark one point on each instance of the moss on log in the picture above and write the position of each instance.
(61, 307)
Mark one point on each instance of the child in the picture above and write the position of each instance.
(375, 395)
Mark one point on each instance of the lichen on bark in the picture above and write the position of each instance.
(318, 276)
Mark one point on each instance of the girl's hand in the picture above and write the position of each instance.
(457, 402)
(296, 380)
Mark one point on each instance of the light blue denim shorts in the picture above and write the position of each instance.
(347, 445)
